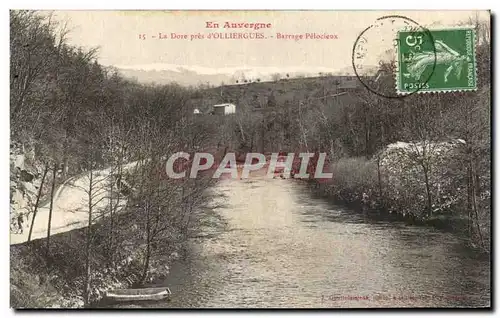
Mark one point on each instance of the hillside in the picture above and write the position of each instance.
(278, 93)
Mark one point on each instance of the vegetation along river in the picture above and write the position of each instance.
(284, 247)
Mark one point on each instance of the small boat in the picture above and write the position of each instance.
(138, 294)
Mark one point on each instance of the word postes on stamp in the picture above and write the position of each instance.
(443, 62)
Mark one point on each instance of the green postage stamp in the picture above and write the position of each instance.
(441, 60)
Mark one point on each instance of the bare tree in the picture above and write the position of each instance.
(54, 173)
(38, 196)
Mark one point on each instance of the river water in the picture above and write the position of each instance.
(284, 247)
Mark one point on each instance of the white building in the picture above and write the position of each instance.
(224, 109)
(196, 111)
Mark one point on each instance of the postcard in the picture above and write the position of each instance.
(250, 159)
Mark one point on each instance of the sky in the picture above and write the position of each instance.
(117, 34)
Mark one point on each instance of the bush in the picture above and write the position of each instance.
(352, 177)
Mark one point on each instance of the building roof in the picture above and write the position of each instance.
(224, 105)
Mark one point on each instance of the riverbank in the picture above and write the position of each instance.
(439, 190)
(132, 248)
(374, 207)
(56, 280)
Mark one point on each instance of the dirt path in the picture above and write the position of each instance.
(70, 210)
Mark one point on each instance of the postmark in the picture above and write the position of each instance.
(446, 65)
(375, 53)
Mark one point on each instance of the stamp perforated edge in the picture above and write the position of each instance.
(431, 91)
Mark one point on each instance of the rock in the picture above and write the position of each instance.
(19, 162)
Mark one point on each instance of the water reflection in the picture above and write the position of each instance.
(283, 247)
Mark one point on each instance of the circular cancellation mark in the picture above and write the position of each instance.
(378, 43)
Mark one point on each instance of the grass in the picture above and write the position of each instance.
(352, 177)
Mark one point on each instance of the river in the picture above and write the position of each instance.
(284, 247)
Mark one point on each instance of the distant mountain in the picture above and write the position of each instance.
(182, 77)
(195, 75)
